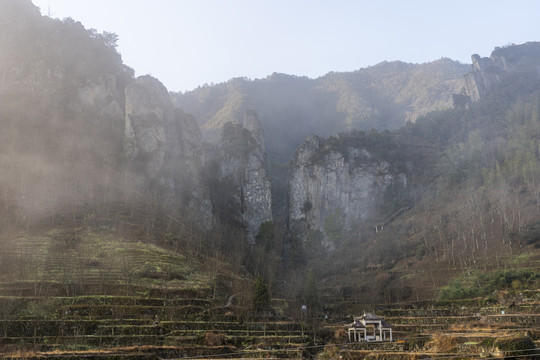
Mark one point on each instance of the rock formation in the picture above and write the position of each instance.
(164, 144)
(257, 192)
(241, 162)
(488, 72)
(329, 185)
(150, 126)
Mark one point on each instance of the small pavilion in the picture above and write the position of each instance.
(369, 327)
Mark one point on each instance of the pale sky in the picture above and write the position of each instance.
(187, 43)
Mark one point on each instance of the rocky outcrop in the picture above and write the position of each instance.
(331, 188)
(101, 93)
(150, 126)
(241, 171)
(488, 72)
(164, 145)
(257, 192)
(188, 168)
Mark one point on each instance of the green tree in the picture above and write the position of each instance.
(261, 295)
(266, 235)
(312, 294)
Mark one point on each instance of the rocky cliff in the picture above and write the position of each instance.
(81, 131)
(164, 146)
(61, 113)
(241, 187)
(511, 60)
(330, 188)
(257, 193)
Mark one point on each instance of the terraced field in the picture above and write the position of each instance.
(464, 329)
(92, 295)
(118, 325)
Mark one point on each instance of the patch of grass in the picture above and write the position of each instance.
(522, 258)
(482, 285)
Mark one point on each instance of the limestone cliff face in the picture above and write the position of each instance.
(327, 184)
(101, 94)
(241, 172)
(257, 192)
(150, 126)
(61, 109)
(488, 72)
(164, 145)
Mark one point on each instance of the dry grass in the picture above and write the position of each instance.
(17, 353)
(213, 339)
(474, 326)
(340, 335)
(102, 351)
(443, 344)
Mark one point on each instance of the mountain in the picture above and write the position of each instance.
(457, 193)
(125, 233)
(380, 97)
(82, 135)
(61, 99)
(294, 181)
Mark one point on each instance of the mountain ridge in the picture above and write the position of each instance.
(383, 96)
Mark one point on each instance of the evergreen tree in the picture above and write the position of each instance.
(312, 297)
(261, 295)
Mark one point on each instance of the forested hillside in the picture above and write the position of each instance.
(380, 97)
(474, 206)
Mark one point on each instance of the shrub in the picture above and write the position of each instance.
(340, 335)
(488, 342)
(532, 233)
(521, 346)
(213, 339)
(261, 295)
